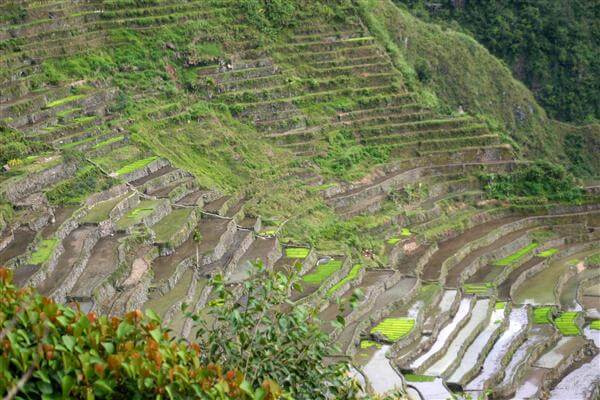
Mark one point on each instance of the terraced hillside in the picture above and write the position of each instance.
(152, 144)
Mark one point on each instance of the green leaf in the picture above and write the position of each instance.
(108, 347)
(66, 383)
(152, 315)
(156, 334)
(259, 394)
(69, 342)
(102, 387)
(247, 388)
(123, 330)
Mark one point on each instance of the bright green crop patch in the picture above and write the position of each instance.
(367, 344)
(478, 288)
(352, 275)
(322, 272)
(296, 252)
(405, 232)
(516, 256)
(548, 253)
(542, 315)
(394, 329)
(134, 166)
(566, 323)
(418, 378)
(65, 100)
(43, 251)
(500, 305)
(595, 324)
(109, 141)
(135, 216)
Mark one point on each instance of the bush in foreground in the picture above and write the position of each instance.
(49, 351)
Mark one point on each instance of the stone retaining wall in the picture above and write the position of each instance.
(59, 295)
(145, 171)
(31, 183)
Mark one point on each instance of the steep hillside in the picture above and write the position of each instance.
(151, 145)
(552, 46)
(463, 74)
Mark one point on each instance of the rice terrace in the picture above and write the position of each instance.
(299, 199)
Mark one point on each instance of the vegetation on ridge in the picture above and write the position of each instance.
(550, 45)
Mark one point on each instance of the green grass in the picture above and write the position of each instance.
(393, 240)
(542, 315)
(322, 272)
(477, 288)
(167, 227)
(594, 259)
(595, 324)
(367, 344)
(296, 252)
(101, 211)
(404, 232)
(547, 253)
(135, 216)
(500, 305)
(65, 100)
(134, 166)
(108, 141)
(352, 275)
(394, 329)
(418, 378)
(43, 251)
(566, 323)
(516, 256)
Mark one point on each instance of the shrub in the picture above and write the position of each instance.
(259, 337)
(14, 146)
(53, 351)
(541, 180)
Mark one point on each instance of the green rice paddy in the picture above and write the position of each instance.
(167, 227)
(43, 252)
(547, 253)
(595, 324)
(101, 211)
(367, 344)
(297, 252)
(418, 378)
(542, 315)
(566, 323)
(500, 305)
(478, 288)
(516, 256)
(394, 329)
(134, 166)
(348, 278)
(135, 216)
(65, 100)
(322, 272)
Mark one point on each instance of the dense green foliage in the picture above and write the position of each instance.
(552, 46)
(52, 351)
(14, 146)
(542, 181)
(249, 330)
(72, 191)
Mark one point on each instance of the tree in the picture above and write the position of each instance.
(254, 329)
